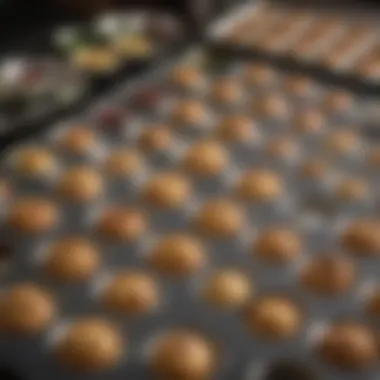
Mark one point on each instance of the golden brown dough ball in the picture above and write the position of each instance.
(220, 218)
(189, 112)
(329, 275)
(33, 215)
(338, 101)
(79, 140)
(168, 190)
(362, 236)
(278, 245)
(26, 309)
(206, 158)
(228, 288)
(131, 293)
(274, 318)
(188, 78)
(309, 121)
(352, 189)
(72, 259)
(182, 354)
(349, 346)
(227, 91)
(271, 106)
(314, 169)
(90, 345)
(81, 184)
(260, 185)
(34, 162)
(122, 224)
(282, 148)
(123, 163)
(237, 128)
(156, 139)
(178, 255)
(298, 85)
(260, 75)
(343, 142)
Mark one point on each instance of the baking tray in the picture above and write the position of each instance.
(282, 46)
(244, 355)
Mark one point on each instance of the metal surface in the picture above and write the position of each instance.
(245, 356)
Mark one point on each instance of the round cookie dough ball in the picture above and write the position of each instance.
(282, 148)
(352, 189)
(187, 77)
(343, 142)
(123, 163)
(220, 218)
(314, 169)
(122, 224)
(228, 288)
(349, 346)
(178, 255)
(168, 190)
(26, 309)
(189, 112)
(329, 275)
(33, 215)
(182, 354)
(206, 158)
(158, 138)
(260, 75)
(309, 121)
(90, 345)
(131, 293)
(338, 101)
(260, 185)
(237, 129)
(34, 162)
(298, 85)
(278, 245)
(72, 259)
(227, 91)
(274, 318)
(272, 106)
(79, 140)
(362, 236)
(81, 184)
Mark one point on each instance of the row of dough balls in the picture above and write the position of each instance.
(38, 161)
(205, 159)
(230, 89)
(221, 217)
(96, 344)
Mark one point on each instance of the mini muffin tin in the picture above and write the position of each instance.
(222, 193)
(343, 43)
